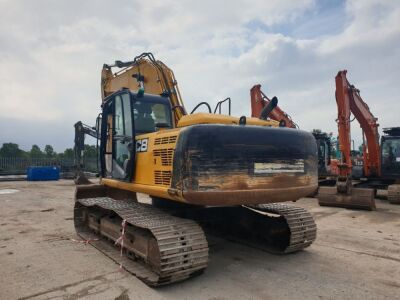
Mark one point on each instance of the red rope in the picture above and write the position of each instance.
(86, 242)
(120, 241)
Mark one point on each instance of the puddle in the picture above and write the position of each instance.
(8, 191)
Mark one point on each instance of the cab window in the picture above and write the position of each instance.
(150, 116)
(391, 151)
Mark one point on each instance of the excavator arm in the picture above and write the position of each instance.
(349, 102)
(79, 146)
(143, 74)
(259, 101)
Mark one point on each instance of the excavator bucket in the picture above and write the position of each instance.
(81, 179)
(358, 198)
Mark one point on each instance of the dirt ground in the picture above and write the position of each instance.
(356, 256)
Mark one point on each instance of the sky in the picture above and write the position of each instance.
(52, 52)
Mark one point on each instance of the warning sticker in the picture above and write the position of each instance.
(295, 166)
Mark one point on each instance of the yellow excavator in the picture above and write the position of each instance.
(205, 173)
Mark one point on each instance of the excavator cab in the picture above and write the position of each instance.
(390, 146)
(324, 153)
(125, 115)
(390, 158)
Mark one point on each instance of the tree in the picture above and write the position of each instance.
(11, 150)
(48, 149)
(36, 152)
(68, 153)
(89, 151)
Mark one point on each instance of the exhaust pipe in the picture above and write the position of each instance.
(268, 108)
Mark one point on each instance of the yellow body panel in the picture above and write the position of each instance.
(158, 156)
(206, 118)
(153, 168)
(152, 190)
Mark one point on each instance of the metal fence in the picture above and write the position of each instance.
(18, 166)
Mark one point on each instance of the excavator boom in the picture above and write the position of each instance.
(349, 102)
(159, 80)
(259, 101)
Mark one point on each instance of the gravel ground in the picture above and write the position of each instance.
(356, 256)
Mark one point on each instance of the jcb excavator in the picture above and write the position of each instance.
(205, 172)
(381, 162)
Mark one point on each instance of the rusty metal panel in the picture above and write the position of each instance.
(229, 165)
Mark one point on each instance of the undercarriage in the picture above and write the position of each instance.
(162, 245)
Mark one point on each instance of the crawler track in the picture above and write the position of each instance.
(394, 193)
(158, 248)
(301, 226)
(166, 246)
(277, 228)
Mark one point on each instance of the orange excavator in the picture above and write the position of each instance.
(347, 193)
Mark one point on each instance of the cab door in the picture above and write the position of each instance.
(118, 140)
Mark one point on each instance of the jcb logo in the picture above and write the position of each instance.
(141, 145)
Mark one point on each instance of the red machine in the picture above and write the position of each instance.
(349, 102)
(259, 101)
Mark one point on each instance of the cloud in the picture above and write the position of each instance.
(51, 55)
